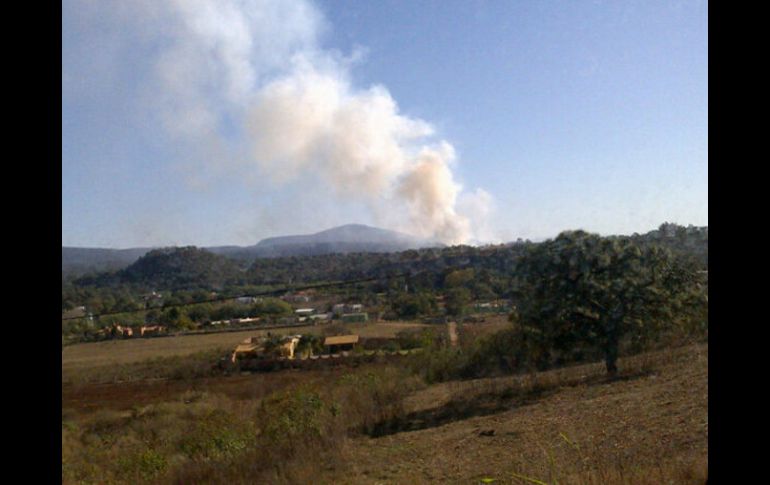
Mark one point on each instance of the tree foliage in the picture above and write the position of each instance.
(584, 290)
(411, 305)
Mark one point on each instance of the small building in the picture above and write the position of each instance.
(304, 312)
(256, 347)
(288, 320)
(342, 308)
(299, 297)
(248, 320)
(250, 346)
(151, 330)
(77, 312)
(484, 308)
(321, 316)
(289, 346)
(340, 343)
(355, 317)
(497, 306)
(119, 330)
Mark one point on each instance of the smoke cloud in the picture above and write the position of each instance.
(249, 85)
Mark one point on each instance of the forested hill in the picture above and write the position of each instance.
(500, 260)
(172, 269)
(191, 268)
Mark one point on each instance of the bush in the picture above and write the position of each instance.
(294, 418)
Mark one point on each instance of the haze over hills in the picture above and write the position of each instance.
(343, 239)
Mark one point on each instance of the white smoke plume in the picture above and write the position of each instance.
(249, 83)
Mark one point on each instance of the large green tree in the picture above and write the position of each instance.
(408, 305)
(580, 288)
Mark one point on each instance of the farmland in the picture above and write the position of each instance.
(118, 352)
(571, 425)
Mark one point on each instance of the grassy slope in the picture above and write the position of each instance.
(646, 428)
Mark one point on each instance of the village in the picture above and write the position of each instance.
(303, 308)
(315, 330)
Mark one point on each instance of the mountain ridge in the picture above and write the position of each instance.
(340, 239)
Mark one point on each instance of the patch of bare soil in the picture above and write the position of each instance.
(126, 395)
(648, 426)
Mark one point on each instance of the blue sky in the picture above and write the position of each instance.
(560, 115)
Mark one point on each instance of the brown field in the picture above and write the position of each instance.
(117, 352)
(566, 426)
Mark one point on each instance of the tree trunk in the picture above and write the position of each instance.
(611, 349)
(610, 360)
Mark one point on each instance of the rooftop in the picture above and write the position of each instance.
(341, 340)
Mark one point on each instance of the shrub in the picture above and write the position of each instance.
(295, 424)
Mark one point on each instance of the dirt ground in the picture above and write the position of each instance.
(122, 396)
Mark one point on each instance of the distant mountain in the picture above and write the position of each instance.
(343, 239)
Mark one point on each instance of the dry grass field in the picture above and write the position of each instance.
(567, 426)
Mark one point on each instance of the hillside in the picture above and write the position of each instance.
(172, 269)
(76, 261)
(574, 427)
(493, 267)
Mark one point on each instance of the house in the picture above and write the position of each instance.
(255, 347)
(321, 316)
(252, 345)
(304, 312)
(77, 312)
(288, 320)
(299, 297)
(355, 317)
(248, 320)
(342, 308)
(497, 306)
(151, 330)
(289, 346)
(117, 329)
(246, 300)
(340, 343)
